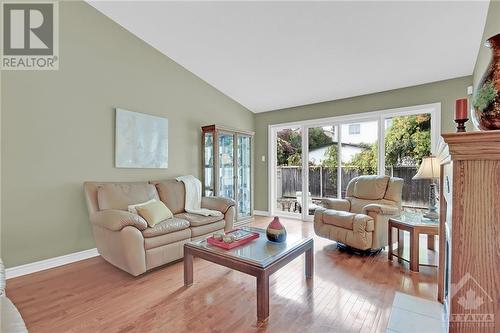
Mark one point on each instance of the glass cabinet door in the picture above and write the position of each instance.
(208, 164)
(226, 165)
(244, 176)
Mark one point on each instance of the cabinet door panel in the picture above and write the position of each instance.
(244, 176)
(226, 165)
(208, 164)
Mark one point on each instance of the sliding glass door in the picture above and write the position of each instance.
(306, 169)
(287, 171)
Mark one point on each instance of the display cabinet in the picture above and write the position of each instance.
(227, 166)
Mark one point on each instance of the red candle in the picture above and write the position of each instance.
(461, 109)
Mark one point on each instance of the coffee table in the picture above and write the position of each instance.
(259, 258)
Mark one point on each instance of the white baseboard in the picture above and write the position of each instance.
(41, 265)
(260, 213)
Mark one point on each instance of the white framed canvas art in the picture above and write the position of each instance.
(141, 140)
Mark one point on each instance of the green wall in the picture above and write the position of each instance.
(58, 129)
(445, 92)
(491, 28)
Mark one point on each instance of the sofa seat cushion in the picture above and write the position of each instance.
(371, 187)
(166, 227)
(207, 228)
(348, 220)
(173, 237)
(196, 220)
(357, 239)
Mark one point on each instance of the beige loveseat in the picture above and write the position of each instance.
(125, 240)
(360, 220)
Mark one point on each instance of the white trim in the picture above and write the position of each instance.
(271, 161)
(261, 213)
(357, 117)
(290, 216)
(42, 265)
(305, 172)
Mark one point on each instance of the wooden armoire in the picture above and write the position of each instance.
(469, 268)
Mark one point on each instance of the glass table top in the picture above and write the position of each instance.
(412, 218)
(259, 252)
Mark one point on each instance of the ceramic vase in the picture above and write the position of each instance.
(486, 102)
(275, 231)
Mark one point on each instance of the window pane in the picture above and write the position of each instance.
(323, 143)
(288, 170)
(358, 151)
(407, 140)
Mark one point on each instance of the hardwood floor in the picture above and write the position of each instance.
(348, 293)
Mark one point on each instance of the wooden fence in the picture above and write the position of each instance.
(323, 183)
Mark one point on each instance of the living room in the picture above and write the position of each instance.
(250, 166)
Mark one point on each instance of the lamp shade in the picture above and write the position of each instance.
(429, 168)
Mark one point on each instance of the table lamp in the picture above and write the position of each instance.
(429, 169)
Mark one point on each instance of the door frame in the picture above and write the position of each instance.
(434, 109)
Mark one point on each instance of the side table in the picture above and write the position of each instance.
(416, 225)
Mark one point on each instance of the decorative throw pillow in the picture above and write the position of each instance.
(154, 212)
(133, 208)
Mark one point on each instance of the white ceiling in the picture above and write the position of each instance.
(272, 55)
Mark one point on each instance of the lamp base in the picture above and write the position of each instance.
(432, 212)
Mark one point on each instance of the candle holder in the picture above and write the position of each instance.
(461, 124)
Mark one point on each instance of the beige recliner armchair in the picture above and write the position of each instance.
(360, 220)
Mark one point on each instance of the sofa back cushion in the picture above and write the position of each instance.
(173, 194)
(395, 190)
(121, 195)
(370, 187)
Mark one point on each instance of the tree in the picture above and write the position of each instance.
(366, 160)
(289, 143)
(409, 136)
(331, 158)
(318, 138)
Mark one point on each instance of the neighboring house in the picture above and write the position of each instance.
(318, 155)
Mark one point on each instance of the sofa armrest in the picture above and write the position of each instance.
(2, 278)
(116, 220)
(381, 209)
(337, 204)
(217, 203)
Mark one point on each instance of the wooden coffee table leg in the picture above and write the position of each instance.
(262, 296)
(188, 268)
(310, 262)
(389, 241)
